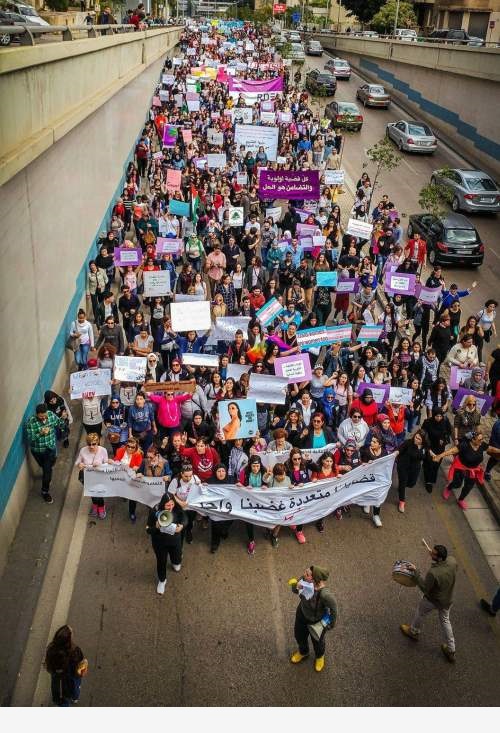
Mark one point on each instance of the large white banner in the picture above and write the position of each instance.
(366, 485)
(253, 136)
(272, 457)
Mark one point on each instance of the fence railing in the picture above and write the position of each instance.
(418, 39)
(27, 34)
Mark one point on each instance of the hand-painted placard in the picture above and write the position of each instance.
(296, 368)
(380, 391)
(483, 401)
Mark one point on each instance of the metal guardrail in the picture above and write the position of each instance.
(28, 33)
(419, 39)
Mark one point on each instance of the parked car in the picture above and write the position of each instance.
(472, 190)
(416, 137)
(339, 68)
(451, 240)
(321, 83)
(452, 35)
(373, 95)
(7, 18)
(31, 15)
(294, 37)
(368, 34)
(314, 48)
(344, 114)
(405, 34)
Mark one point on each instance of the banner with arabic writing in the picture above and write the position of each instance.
(366, 485)
(294, 185)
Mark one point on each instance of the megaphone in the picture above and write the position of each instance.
(164, 518)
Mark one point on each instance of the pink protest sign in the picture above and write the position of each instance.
(156, 102)
(296, 368)
(168, 245)
(187, 136)
(399, 282)
(173, 180)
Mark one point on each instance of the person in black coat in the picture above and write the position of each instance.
(290, 221)
(166, 541)
(219, 529)
(438, 431)
(316, 431)
(409, 462)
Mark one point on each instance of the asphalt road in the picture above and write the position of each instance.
(404, 183)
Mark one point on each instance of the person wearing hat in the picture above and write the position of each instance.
(166, 536)
(320, 606)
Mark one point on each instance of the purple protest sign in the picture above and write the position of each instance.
(380, 391)
(127, 256)
(428, 295)
(399, 283)
(483, 401)
(168, 245)
(249, 85)
(307, 229)
(348, 285)
(296, 368)
(306, 243)
(293, 185)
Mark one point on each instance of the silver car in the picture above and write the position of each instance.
(373, 95)
(472, 190)
(415, 137)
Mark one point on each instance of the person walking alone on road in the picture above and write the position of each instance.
(317, 604)
(66, 665)
(166, 540)
(437, 587)
(42, 436)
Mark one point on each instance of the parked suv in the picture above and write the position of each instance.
(450, 35)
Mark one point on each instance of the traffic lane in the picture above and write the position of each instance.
(223, 631)
(405, 182)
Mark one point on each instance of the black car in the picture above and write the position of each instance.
(321, 83)
(451, 240)
(456, 35)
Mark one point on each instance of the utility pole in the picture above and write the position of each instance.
(396, 17)
(338, 15)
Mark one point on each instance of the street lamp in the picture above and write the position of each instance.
(338, 15)
(396, 17)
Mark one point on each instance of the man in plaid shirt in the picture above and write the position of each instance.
(41, 433)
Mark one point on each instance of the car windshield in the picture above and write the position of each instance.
(297, 47)
(461, 236)
(26, 10)
(376, 90)
(480, 183)
(346, 108)
(419, 129)
(341, 63)
(325, 78)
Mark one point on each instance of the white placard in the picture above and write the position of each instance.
(359, 228)
(242, 179)
(216, 160)
(242, 115)
(280, 160)
(236, 216)
(130, 368)
(400, 395)
(214, 137)
(268, 117)
(156, 283)
(268, 389)
(190, 316)
(168, 79)
(193, 105)
(236, 370)
(208, 360)
(334, 178)
(274, 212)
(97, 381)
(252, 137)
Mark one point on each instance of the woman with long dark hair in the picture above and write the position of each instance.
(66, 664)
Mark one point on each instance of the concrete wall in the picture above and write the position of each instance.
(51, 88)
(51, 212)
(456, 90)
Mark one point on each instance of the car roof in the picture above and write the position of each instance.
(457, 220)
(469, 172)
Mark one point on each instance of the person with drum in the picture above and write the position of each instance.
(317, 605)
(437, 588)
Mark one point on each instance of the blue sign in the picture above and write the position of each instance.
(326, 279)
(295, 17)
(179, 208)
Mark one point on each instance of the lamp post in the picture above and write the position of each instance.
(338, 15)
(396, 17)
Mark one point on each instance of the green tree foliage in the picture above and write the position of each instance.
(364, 10)
(385, 158)
(383, 21)
(434, 199)
(59, 6)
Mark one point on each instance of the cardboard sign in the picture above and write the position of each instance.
(130, 368)
(190, 316)
(295, 368)
(97, 381)
(156, 283)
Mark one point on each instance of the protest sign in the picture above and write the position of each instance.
(339, 333)
(208, 360)
(124, 256)
(312, 337)
(216, 160)
(269, 311)
(214, 137)
(365, 485)
(428, 295)
(359, 228)
(242, 115)
(109, 480)
(309, 229)
(156, 283)
(483, 401)
(348, 285)
(380, 391)
(180, 386)
(267, 117)
(242, 179)
(130, 368)
(190, 316)
(400, 395)
(156, 102)
(399, 282)
(274, 213)
(236, 370)
(287, 184)
(174, 178)
(226, 326)
(187, 136)
(237, 418)
(168, 79)
(193, 105)
(252, 137)
(268, 389)
(168, 245)
(334, 177)
(97, 381)
(458, 375)
(236, 216)
(295, 368)
(370, 333)
(179, 208)
(326, 278)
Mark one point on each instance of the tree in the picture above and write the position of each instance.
(383, 21)
(434, 198)
(385, 158)
(59, 6)
(364, 10)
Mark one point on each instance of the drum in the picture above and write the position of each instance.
(403, 575)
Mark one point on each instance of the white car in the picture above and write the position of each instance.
(412, 136)
(339, 68)
(28, 11)
(405, 34)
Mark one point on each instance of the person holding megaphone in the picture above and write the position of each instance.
(165, 523)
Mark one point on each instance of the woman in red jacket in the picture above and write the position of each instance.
(130, 455)
(396, 414)
(203, 458)
(324, 468)
(367, 407)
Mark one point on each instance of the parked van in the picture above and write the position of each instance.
(28, 11)
(405, 34)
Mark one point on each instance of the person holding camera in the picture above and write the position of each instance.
(165, 523)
